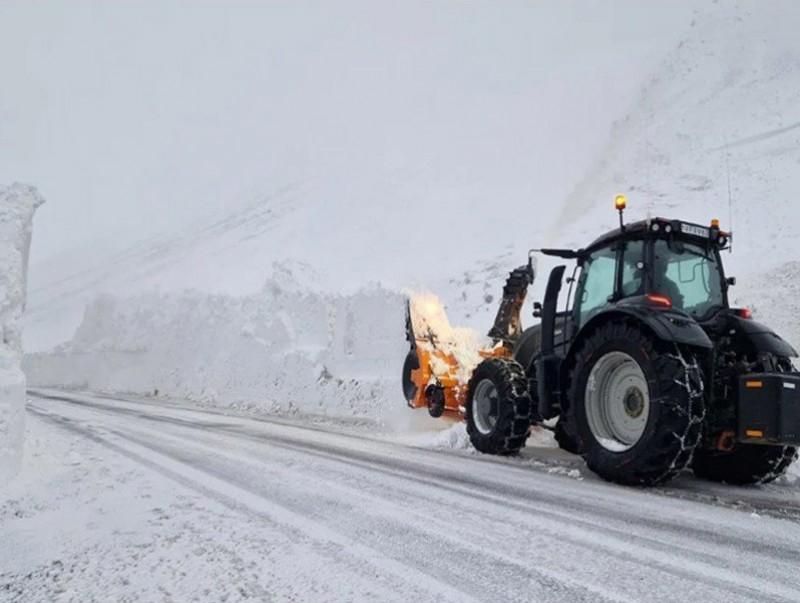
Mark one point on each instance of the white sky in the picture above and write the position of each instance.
(133, 117)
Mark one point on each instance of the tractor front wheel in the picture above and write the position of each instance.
(498, 407)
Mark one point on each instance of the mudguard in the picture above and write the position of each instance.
(667, 325)
(763, 339)
(528, 346)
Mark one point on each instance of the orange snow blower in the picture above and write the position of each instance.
(442, 358)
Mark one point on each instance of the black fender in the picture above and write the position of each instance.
(760, 338)
(528, 346)
(667, 325)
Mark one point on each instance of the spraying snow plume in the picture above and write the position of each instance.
(432, 328)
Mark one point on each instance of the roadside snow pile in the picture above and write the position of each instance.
(286, 349)
(17, 206)
(453, 437)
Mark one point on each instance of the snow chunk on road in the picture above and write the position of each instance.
(17, 206)
(452, 438)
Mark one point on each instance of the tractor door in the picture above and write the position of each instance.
(607, 275)
(548, 364)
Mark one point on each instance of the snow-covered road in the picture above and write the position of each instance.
(173, 503)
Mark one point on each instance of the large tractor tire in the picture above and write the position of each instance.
(745, 464)
(565, 436)
(498, 407)
(638, 405)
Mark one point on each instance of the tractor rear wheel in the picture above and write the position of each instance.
(563, 435)
(638, 405)
(745, 464)
(498, 407)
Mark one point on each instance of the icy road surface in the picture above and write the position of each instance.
(132, 500)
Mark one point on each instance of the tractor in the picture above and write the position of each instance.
(645, 372)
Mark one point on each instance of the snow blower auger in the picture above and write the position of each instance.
(647, 370)
(445, 373)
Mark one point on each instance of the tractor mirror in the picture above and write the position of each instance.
(730, 281)
(537, 309)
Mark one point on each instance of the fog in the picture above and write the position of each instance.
(134, 118)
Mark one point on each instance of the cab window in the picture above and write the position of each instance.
(597, 283)
(689, 275)
(633, 269)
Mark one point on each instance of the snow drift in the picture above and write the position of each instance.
(17, 205)
(285, 349)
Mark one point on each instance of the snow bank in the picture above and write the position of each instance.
(17, 205)
(286, 349)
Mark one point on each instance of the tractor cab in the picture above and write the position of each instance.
(669, 265)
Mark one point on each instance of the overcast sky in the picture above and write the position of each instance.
(134, 117)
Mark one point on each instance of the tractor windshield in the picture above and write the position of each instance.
(689, 275)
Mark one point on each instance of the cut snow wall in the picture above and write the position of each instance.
(285, 349)
(17, 206)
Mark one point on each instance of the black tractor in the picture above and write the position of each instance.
(647, 369)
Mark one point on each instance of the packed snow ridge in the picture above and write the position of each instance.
(18, 203)
(285, 349)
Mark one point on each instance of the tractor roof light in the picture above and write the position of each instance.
(715, 223)
(620, 203)
(662, 301)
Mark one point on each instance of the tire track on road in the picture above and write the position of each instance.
(573, 530)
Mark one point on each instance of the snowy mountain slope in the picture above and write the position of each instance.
(720, 110)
